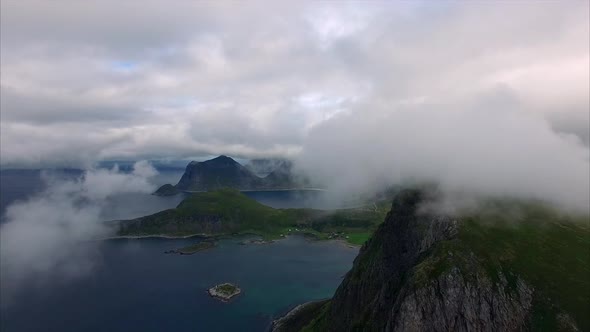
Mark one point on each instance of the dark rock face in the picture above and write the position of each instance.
(220, 172)
(298, 317)
(383, 293)
(224, 172)
(167, 190)
(370, 290)
(452, 303)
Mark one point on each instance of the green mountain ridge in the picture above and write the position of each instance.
(508, 266)
(227, 212)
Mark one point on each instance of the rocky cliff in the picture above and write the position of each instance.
(220, 172)
(224, 172)
(420, 273)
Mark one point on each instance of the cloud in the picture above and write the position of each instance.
(493, 97)
(46, 237)
(203, 78)
(486, 145)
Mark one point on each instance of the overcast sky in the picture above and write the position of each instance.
(106, 80)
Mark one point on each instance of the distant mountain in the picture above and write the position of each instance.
(283, 176)
(220, 172)
(167, 190)
(224, 172)
(263, 167)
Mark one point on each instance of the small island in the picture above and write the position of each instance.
(224, 292)
(189, 250)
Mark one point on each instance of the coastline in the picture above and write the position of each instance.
(290, 320)
(341, 242)
(257, 190)
(155, 236)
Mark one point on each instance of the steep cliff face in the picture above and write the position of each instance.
(220, 172)
(368, 295)
(224, 172)
(420, 272)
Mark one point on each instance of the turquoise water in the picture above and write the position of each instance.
(137, 287)
(134, 286)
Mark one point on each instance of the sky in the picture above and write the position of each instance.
(106, 80)
(493, 96)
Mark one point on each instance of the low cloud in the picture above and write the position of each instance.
(488, 144)
(47, 237)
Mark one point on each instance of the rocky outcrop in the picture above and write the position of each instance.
(167, 190)
(224, 172)
(452, 303)
(220, 172)
(298, 317)
(400, 282)
(224, 292)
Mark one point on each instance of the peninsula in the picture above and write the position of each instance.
(229, 212)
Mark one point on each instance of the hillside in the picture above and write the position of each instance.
(508, 266)
(224, 172)
(227, 211)
(220, 172)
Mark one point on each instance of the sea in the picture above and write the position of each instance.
(134, 286)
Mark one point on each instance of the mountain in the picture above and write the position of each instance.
(167, 190)
(263, 167)
(224, 172)
(282, 176)
(220, 172)
(505, 267)
(227, 211)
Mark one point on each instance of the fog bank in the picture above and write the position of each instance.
(40, 239)
(489, 144)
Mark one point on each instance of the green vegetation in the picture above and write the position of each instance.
(228, 212)
(548, 249)
(359, 238)
(320, 322)
(167, 190)
(226, 289)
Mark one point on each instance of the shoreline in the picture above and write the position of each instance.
(257, 190)
(155, 236)
(284, 321)
(341, 242)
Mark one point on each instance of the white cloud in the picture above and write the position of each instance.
(266, 79)
(41, 237)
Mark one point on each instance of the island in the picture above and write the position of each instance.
(224, 292)
(189, 250)
(228, 212)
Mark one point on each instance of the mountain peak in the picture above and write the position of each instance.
(221, 159)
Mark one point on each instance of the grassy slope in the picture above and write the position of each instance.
(549, 250)
(241, 214)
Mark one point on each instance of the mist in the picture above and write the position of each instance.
(40, 240)
(486, 145)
